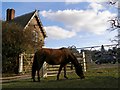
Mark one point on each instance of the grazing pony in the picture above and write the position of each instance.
(60, 57)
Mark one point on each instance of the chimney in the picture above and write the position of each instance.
(10, 14)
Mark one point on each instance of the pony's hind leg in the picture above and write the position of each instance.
(38, 73)
(33, 73)
(65, 76)
(60, 68)
(33, 76)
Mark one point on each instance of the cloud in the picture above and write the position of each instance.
(55, 32)
(81, 20)
(54, 0)
(33, 1)
(117, 4)
(96, 6)
(73, 2)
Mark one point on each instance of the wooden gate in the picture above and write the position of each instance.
(52, 70)
(25, 63)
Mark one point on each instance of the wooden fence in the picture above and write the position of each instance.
(52, 70)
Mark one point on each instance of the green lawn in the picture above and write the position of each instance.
(95, 78)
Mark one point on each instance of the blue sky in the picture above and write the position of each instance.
(67, 23)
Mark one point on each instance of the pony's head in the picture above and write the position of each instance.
(72, 58)
(79, 71)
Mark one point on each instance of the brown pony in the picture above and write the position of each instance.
(60, 57)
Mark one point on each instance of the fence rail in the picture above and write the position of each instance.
(52, 70)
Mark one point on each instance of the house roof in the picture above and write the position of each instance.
(25, 19)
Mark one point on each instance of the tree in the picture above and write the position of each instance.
(102, 49)
(113, 2)
(115, 25)
(15, 41)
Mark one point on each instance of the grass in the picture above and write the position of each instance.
(95, 78)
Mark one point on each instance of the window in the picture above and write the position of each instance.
(35, 36)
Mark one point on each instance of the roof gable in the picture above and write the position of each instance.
(22, 20)
(25, 19)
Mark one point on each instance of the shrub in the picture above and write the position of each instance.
(15, 41)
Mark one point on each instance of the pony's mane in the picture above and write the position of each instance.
(62, 48)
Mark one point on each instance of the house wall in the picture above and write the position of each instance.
(33, 25)
(27, 59)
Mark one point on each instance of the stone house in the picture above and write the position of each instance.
(29, 20)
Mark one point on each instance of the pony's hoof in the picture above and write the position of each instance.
(82, 78)
(66, 77)
(38, 80)
(34, 81)
(57, 79)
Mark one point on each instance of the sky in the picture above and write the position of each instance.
(68, 23)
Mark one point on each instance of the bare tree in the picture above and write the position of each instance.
(112, 2)
(115, 22)
(115, 25)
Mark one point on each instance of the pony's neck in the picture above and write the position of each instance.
(75, 63)
(74, 60)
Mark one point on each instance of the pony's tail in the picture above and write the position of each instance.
(34, 67)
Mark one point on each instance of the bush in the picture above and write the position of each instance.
(15, 40)
(118, 55)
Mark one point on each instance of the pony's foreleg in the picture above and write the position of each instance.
(60, 68)
(33, 75)
(65, 72)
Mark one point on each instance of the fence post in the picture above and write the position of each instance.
(20, 63)
(84, 61)
(45, 70)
